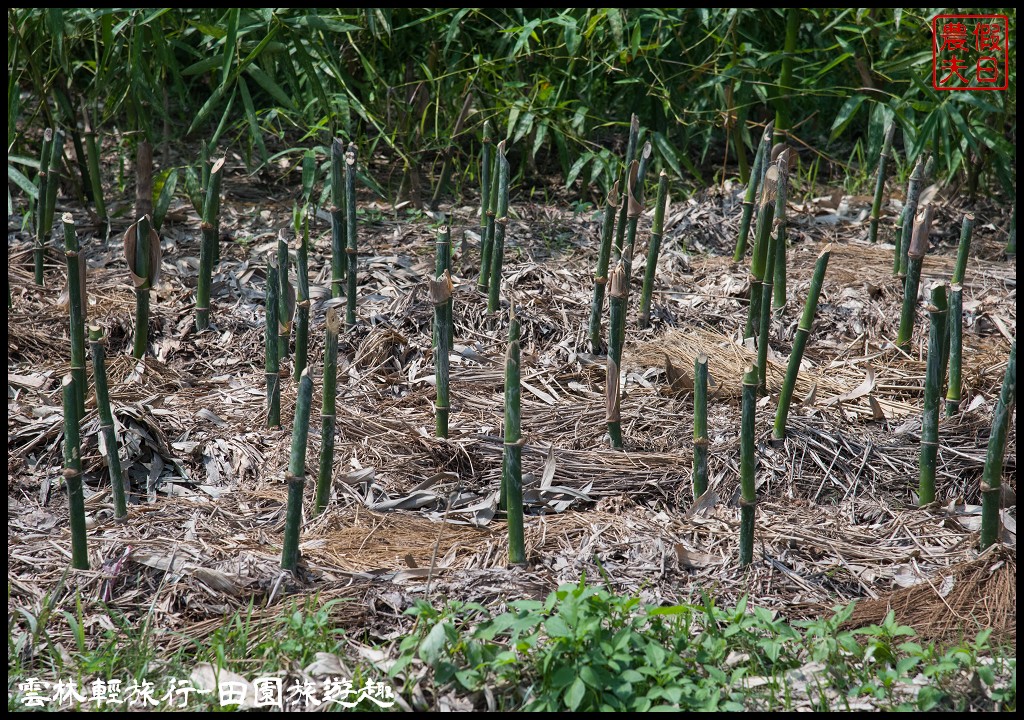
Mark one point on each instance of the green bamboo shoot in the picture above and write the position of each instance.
(512, 473)
(500, 228)
(143, 254)
(327, 412)
(992, 477)
(603, 258)
(73, 475)
(351, 249)
(297, 473)
(700, 425)
(76, 304)
(748, 498)
(108, 444)
(760, 161)
(883, 162)
(616, 336)
(916, 253)
(653, 248)
(338, 222)
(272, 364)
(932, 387)
(210, 227)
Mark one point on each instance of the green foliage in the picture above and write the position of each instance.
(586, 649)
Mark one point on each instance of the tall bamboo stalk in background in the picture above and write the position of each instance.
(616, 337)
(500, 228)
(760, 161)
(485, 181)
(73, 475)
(1011, 236)
(285, 304)
(631, 143)
(512, 468)
(601, 276)
(211, 233)
(53, 179)
(143, 254)
(914, 188)
(302, 299)
(95, 176)
(700, 425)
(297, 473)
(440, 295)
(350, 231)
(782, 103)
(955, 333)
(883, 161)
(337, 217)
(803, 331)
(918, 249)
(992, 477)
(653, 248)
(272, 364)
(487, 242)
(781, 225)
(759, 257)
(108, 446)
(42, 228)
(327, 412)
(772, 255)
(748, 499)
(76, 305)
(932, 386)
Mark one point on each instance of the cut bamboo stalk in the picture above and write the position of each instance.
(350, 231)
(760, 161)
(759, 256)
(42, 181)
(440, 295)
(109, 445)
(914, 188)
(992, 477)
(512, 472)
(616, 336)
(955, 332)
(485, 181)
(883, 162)
(918, 249)
(932, 386)
(500, 228)
(143, 255)
(966, 230)
(781, 225)
(210, 227)
(779, 236)
(76, 304)
(634, 209)
(297, 473)
(653, 248)
(487, 242)
(603, 258)
(302, 301)
(272, 364)
(73, 475)
(803, 332)
(327, 412)
(700, 425)
(748, 499)
(338, 221)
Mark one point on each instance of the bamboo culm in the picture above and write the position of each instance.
(272, 365)
(210, 227)
(487, 242)
(42, 182)
(616, 336)
(991, 479)
(916, 254)
(748, 494)
(914, 188)
(285, 309)
(107, 431)
(142, 252)
(73, 475)
(76, 304)
(759, 257)
(760, 160)
(485, 183)
(653, 248)
(955, 334)
(338, 222)
(883, 161)
(932, 385)
(500, 228)
(297, 473)
(700, 425)
(440, 290)
(603, 258)
(803, 332)
(350, 231)
(512, 473)
(327, 412)
(302, 302)
(631, 143)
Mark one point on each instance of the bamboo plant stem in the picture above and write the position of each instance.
(653, 248)
(759, 257)
(883, 169)
(95, 176)
(631, 143)
(485, 183)
(500, 228)
(914, 188)
(109, 445)
(748, 499)
(1011, 236)
(991, 480)
(634, 209)
(603, 258)
(284, 312)
(700, 425)
(142, 252)
(616, 335)
(42, 180)
(76, 304)
(338, 221)
(955, 333)
(512, 472)
(760, 160)
(351, 249)
(302, 302)
(73, 475)
(440, 295)
(963, 249)
(771, 255)
(803, 332)
(297, 473)
(918, 249)
(52, 182)
(327, 412)
(210, 227)
(487, 242)
(932, 386)
(272, 365)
